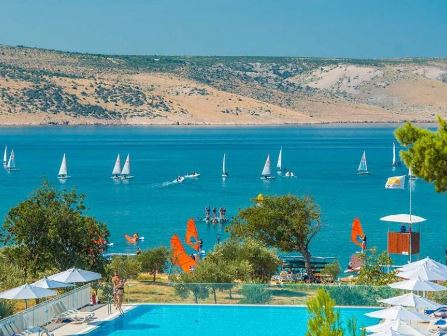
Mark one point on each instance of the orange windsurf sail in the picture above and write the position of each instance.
(130, 239)
(179, 255)
(192, 236)
(357, 232)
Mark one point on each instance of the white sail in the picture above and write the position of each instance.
(279, 164)
(5, 156)
(410, 174)
(12, 161)
(363, 167)
(126, 168)
(63, 168)
(394, 154)
(267, 171)
(117, 167)
(224, 168)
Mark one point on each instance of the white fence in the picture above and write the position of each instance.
(44, 312)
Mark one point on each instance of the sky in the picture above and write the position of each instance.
(312, 28)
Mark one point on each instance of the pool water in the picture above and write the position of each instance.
(196, 320)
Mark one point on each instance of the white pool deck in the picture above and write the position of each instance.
(101, 315)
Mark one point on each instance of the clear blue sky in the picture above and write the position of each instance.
(325, 28)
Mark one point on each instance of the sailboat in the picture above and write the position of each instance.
(192, 235)
(357, 237)
(11, 165)
(357, 233)
(395, 163)
(125, 173)
(410, 174)
(279, 163)
(63, 174)
(224, 167)
(5, 156)
(116, 172)
(266, 171)
(363, 166)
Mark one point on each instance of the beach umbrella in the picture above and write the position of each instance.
(75, 275)
(418, 284)
(430, 263)
(26, 292)
(398, 326)
(398, 313)
(403, 218)
(51, 284)
(423, 272)
(390, 332)
(411, 300)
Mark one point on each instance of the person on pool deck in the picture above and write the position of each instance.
(138, 251)
(120, 295)
(115, 282)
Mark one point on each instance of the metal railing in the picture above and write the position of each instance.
(43, 313)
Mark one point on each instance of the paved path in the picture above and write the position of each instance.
(101, 315)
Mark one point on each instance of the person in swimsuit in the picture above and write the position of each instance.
(115, 282)
(120, 295)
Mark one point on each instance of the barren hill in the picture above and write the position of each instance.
(50, 87)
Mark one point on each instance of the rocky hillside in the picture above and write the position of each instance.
(50, 87)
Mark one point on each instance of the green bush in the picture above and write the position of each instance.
(359, 295)
(255, 294)
(6, 308)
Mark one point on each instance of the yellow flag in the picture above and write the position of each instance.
(395, 182)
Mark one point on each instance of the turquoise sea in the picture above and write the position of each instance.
(324, 159)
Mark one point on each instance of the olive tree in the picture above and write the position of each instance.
(285, 222)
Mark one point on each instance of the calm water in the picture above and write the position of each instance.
(218, 321)
(325, 160)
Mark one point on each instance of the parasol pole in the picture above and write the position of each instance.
(411, 221)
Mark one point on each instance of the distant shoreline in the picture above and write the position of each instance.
(364, 124)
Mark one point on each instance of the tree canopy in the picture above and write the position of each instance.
(230, 261)
(323, 319)
(50, 231)
(373, 271)
(286, 222)
(154, 260)
(426, 152)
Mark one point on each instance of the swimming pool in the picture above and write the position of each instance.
(193, 320)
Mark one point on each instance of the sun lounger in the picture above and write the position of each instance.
(438, 326)
(28, 332)
(440, 313)
(62, 314)
(5, 331)
(75, 311)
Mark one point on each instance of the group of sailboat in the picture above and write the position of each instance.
(124, 173)
(363, 166)
(266, 173)
(9, 163)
